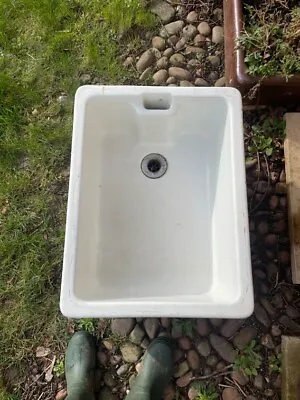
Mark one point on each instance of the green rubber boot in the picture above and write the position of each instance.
(80, 364)
(156, 372)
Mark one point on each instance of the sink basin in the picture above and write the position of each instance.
(157, 220)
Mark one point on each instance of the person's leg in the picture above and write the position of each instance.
(80, 363)
(156, 371)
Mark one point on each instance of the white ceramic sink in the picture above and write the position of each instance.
(142, 245)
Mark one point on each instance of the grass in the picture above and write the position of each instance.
(248, 359)
(45, 47)
(185, 325)
(275, 362)
(205, 391)
(270, 38)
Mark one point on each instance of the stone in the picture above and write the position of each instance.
(171, 80)
(128, 62)
(145, 343)
(280, 226)
(222, 347)
(204, 348)
(61, 395)
(109, 345)
(166, 322)
(277, 383)
(289, 324)
(259, 382)
(193, 63)
(220, 366)
(115, 359)
(180, 74)
(138, 367)
(163, 10)
(160, 77)
(262, 187)
(177, 60)
(173, 40)
(281, 188)
(263, 228)
(200, 53)
(109, 379)
(251, 398)
(176, 330)
(184, 380)
(271, 240)
(204, 29)
(146, 60)
(181, 11)
(269, 393)
(267, 341)
(231, 393)
(214, 61)
(231, 326)
(268, 306)
(162, 63)
(137, 335)
(131, 352)
(192, 17)
(218, 14)
(211, 361)
(85, 78)
(276, 331)
(180, 44)
(199, 40)
(203, 327)
(193, 359)
(181, 369)
(158, 43)
(220, 82)
(186, 84)
(240, 377)
(184, 343)
(122, 370)
(217, 34)
(151, 326)
(178, 355)
(171, 29)
(284, 257)
(292, 312)
(169, 392)
(261, 315)
(273, 202)
(216, 322)
(189, 32)
(106, 394)
(146, 74)
(200, 82)
(192, 393)
(168, 52)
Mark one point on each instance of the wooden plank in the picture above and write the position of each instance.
(290, 387)
(292, 168)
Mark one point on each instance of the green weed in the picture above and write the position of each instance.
(205, 391)
(275, 362)
(87, 324)
(59, 367)
(121, 15)
(248, 359)
(185, 325)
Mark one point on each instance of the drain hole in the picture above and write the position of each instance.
(154, 165)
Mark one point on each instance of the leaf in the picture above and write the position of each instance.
(248, 371)
(254, 372)
(42, 351)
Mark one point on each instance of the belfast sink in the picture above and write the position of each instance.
(157, 220)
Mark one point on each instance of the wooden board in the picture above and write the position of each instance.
(290, 388)
(292, 168)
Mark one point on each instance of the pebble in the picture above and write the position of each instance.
(284, 257)
(189, 32)
(204, 348)
(200, 53)
(146, 60)
(193, 63)
(145, 343)
(199, 40)
(277, 382)
(160, 77)
(211, 361)
(102, 358)
(137, 335)
(166, 322)
(128, 62)
(180, 73)
(267, 341)
(168, 52)
(186, 84)
(151, 325)
(115, 359)
(216, 322)
(181, 11)
(178, 355)
(109, 345)
(231, 393)
(61, 395)
(280, 226)
(269, 392)
(214, 60)
(158, 43)
(192, 393)
(131, 352)
(162, 63)
(200, 82)
(276, 331)
(292, 312)
(231, 326)
(273, 202)
(122, 369)
(180, 44)
(240, 377)
(251, 163)
(204, 29)
(203, 327)
(85, 78)
(220, 366)
(181, 369)
(221, 82)
(176, 330)
(146, 74)
(138, 367)
(184, 343)
(281, 188)
(261, 315)
(217, 34)
(184, 380)
(171, 29)
(173, 40)
(177, 60)
(192, 17)
(193, 359)
(259, 382)
(289, 324)
(271, 240)
(218, 14)
(106, 394)
(251, 398)
(171, 80)
(222, 347)
(163, 10)
(268, 306)
(263, 228)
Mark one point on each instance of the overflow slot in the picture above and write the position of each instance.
(153, 101)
